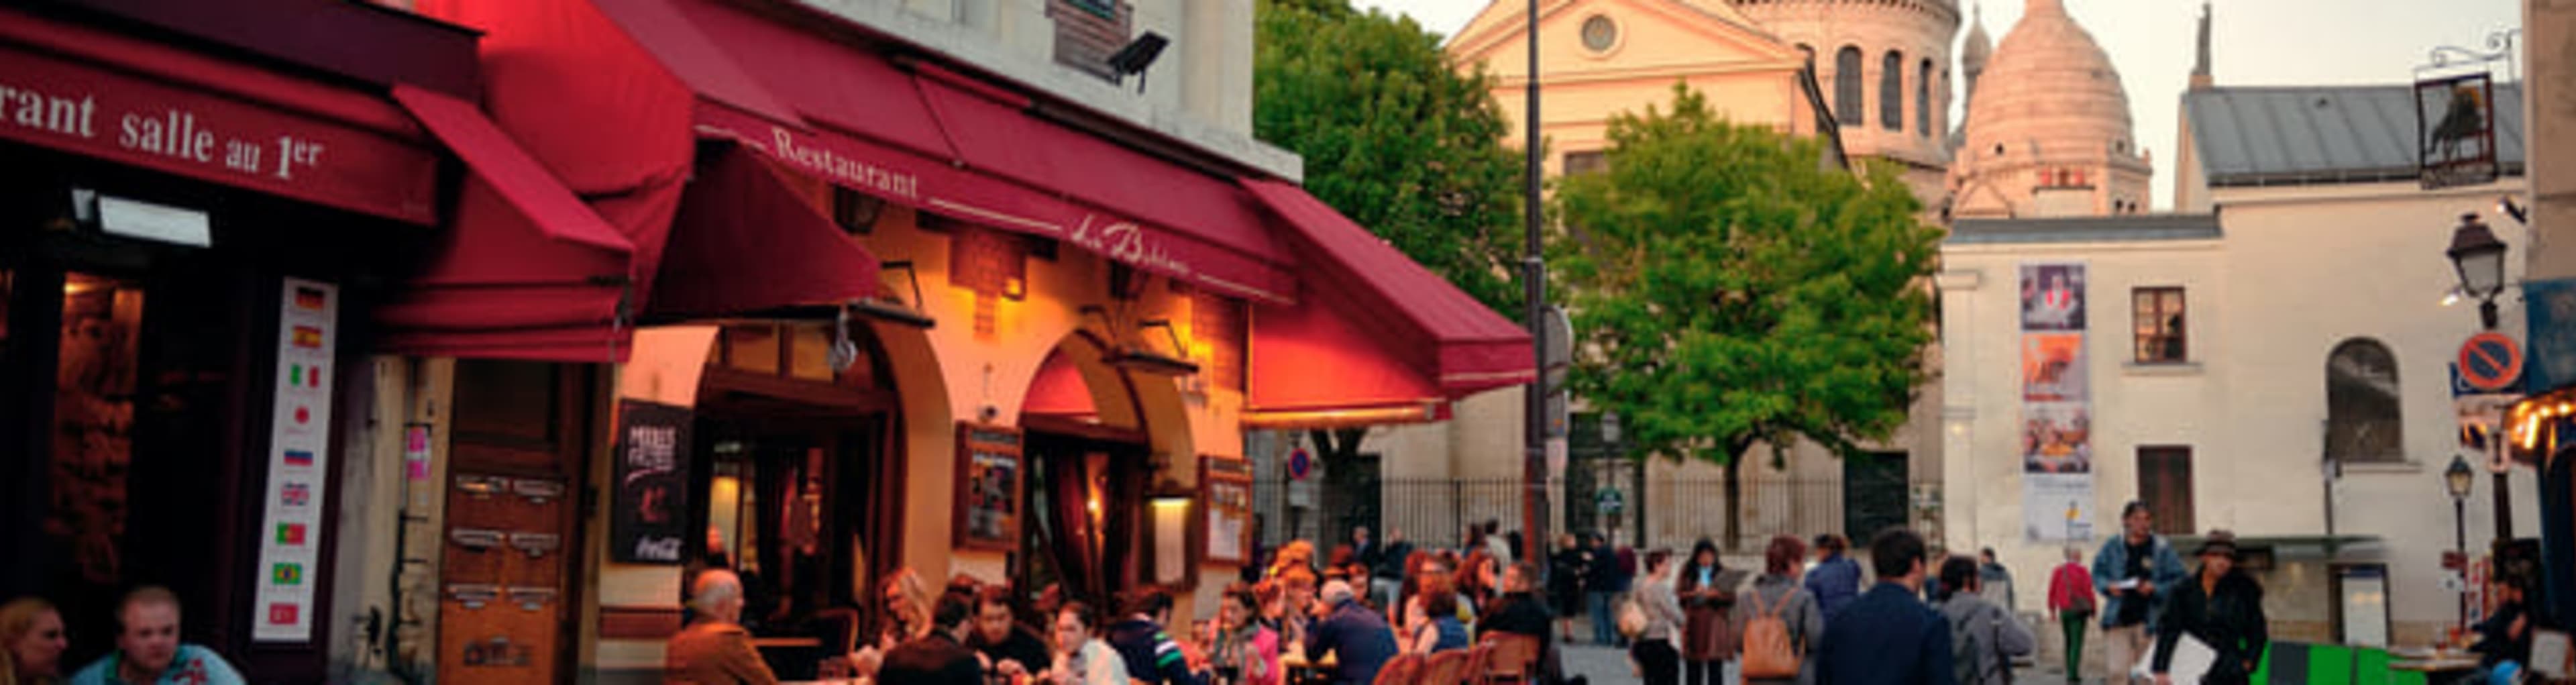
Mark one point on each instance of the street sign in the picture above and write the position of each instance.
(1557, 350)
(1610, 501)
(2490, 361)
(1300, 463)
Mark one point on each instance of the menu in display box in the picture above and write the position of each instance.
(298, 459)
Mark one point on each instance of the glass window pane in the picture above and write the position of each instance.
(93, 443)
(752, 348)
(813, 353)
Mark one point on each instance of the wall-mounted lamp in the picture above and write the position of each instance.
(856, 212)
(893, 310)
(1138, 358)
(2520, 214)
(1136, 55)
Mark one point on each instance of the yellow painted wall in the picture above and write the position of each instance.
(1747, 75)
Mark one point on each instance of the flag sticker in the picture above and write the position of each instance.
(304, 376)
(296, 495)
(310, 298)
(286, 575)
(308, 337)
(299, 457)
(313, 376)
(290, 534)
(303, 415)
(282, 613)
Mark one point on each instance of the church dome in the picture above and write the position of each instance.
(1977, 48)
(2049, 92)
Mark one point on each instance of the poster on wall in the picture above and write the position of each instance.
(649, 508)
(988, 487)
(2056, 448)
(1226, 486)
(299, 456)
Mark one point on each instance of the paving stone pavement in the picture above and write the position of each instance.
(1610, 666)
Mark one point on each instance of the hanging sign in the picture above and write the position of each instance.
(2455, 130)
(648, 512)
(299, 456)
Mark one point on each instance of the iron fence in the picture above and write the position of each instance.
(1669, 512)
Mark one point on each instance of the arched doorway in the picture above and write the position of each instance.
(1090, 450)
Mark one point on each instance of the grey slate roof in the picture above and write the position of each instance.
(2086, 229)
(2325, 134)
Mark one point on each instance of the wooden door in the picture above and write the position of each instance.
(506, 601)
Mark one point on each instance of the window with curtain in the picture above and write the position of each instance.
(1891, 91)
(1923, 100)
(2363, 420)
(1847, 86)
(2158, 313)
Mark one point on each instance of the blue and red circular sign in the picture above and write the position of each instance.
(2490, 361)
(1300, 463)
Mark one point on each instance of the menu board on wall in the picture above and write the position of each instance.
(298, 457)
(988, 487)
(651, 501)
(1225, 484)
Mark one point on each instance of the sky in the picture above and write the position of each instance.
(2253, 43)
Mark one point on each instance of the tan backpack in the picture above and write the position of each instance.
(1768, 651)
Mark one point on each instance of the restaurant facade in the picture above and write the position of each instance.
(840, 300)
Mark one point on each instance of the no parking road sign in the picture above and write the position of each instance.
(2490, 361)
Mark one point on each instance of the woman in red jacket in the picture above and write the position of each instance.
(2070, 599)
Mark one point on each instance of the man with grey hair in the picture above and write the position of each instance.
(715, 649)
(1359, 636)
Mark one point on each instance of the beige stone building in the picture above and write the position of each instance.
(2047, 132)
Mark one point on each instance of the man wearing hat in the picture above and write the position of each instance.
(2222, 608)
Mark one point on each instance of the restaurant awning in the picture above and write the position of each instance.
(112, 96)
(745, 242)
(921, 136)
(1400, 338)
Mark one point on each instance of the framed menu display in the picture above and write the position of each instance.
(989, 469)
(1225, 486)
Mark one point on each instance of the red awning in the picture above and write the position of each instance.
(115, 97)
(1396, 334)
(517, 177)
(947, 144)
(745, 242)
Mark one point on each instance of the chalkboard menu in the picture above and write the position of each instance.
(988, 487)
(651, 500)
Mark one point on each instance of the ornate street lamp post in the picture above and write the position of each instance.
(2479, 258)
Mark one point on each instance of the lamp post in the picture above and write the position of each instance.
(2457, 480)
(2479, 258)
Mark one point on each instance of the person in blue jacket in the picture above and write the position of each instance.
(2134, 572)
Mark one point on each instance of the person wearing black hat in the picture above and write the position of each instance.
(2223, 608)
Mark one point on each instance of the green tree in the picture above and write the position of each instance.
(1395, 138)
(1732, 291)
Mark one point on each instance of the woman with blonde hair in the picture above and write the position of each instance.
(31, 642)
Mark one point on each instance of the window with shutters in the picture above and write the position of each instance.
(2363, 421)
(2164, 483)
(1891, 91)
(1087, 32)
(1847, 89)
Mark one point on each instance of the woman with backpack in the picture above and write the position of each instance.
(1780, 621)
(2070, 601)
(1708, 633)
(1984, 638)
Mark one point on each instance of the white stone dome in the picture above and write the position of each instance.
(2049, 93)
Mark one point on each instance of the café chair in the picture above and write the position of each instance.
(1479, 656)
(1404, 669)
(1445, 668)
(1511, 659)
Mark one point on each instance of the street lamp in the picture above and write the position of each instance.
(2479, 257)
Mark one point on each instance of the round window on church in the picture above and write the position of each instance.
(1599, 33)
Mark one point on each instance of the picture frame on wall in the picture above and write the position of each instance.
(1225, 491)
(990, 468)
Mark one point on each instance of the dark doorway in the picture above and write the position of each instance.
(1873, 493)
(1352, 490)
(1086, 501)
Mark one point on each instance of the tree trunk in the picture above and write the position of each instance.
(1734, 503)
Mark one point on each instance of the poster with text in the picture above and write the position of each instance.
(2057, 423)
(648, 522)
(299, 458)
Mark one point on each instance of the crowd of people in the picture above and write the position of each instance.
(148, 648)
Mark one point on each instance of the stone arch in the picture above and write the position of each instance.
(2365, 419)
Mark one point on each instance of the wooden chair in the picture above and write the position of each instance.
(1512, 658)
(1444, 668)
(1478, 659)
(1404, 669)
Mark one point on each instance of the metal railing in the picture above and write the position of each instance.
(1675, 513)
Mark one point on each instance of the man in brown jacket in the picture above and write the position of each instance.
(714, 649)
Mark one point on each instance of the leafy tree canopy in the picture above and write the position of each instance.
(1394, 137)
(1731, 290)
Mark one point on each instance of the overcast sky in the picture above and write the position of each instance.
(2255, 42)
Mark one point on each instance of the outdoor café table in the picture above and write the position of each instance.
(2437, 669)
(1293, 660)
